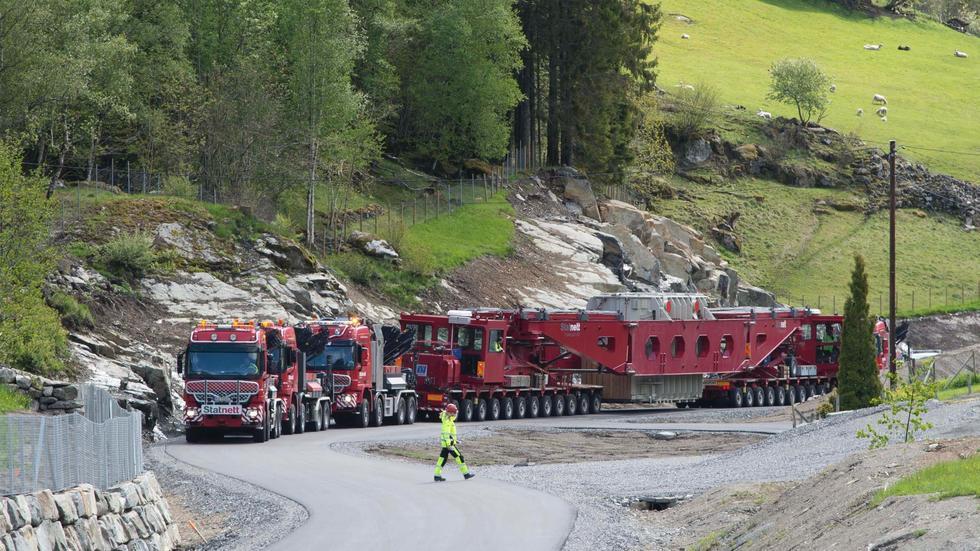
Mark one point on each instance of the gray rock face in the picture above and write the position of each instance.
(287, 255)
(578, 193)
(696, 152)
(643, 264)
(754, 296)
(194, 246)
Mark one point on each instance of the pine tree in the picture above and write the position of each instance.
(858, 376)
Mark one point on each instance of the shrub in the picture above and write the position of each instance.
(359, 268)
(31, 336)
(179, 186)
(283, 225)
(827, 407)
(801, 83)
(695, 109)
(74, 315)
(128, 257)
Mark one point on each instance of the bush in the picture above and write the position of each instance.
(74, 315)
(359, 268)
(695, 109)
(283, 225)
(827, 407)
(31, 336)
(128, 257)
(179, 186)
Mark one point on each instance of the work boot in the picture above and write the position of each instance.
(468, 476)
(439, 478)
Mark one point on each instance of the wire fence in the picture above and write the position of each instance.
(951, 297)
(102, 446)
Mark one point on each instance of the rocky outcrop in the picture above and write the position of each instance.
(372, 246)
(47, 395)
(132, 516)
(286, 254)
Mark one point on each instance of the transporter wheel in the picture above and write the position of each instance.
(800, 391)
(400, 415)
(780, 395)
(289, 427)
(411, 410)
(811, 391)
(571, 404)
(493, 412)
(558, 408)
(735, 398)
(262, 433)
(481, 409)
(466, 410)
(770, 396)
(520, 407)
(378, 414)
(533, 406)
(363, 418)
(595, 403)
(507, 408)
(760, 396)
(300, 418)
(277, 426)
(748, 397)
(547, 405)
(316, 424)
(825, 387)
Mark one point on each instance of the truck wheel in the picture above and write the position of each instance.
(316, 424)
(533, 406)
(800, 391)
(780, 395)
(770, 396)
(466, 411)
(412, 410)
(400, 411)
(760, 396)
(262, 433)
(379, 412)
(748, 397)
(325, 415)
(583, 404)
(494, 411)
(547, 405)
(290, 426)
(810, 391)
(300, 418)
(481, 410)
(364, 418)
(277, 427)
(735, 398)
(595, 404)
(507, 408)
(520, 408)
(558, 408)
(571, 404)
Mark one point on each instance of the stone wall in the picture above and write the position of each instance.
(133, 516)
(48, 396)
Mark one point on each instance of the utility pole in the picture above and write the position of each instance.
(892, 369)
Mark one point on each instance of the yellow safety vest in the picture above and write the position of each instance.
(448, 436)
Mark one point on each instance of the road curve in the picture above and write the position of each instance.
(357, 502)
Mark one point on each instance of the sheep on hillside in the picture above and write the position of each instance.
(904, 48)
(684, 86)
(685, 36)
(884, 119)
(833, 88)
(958, 53)
(872, 46)
(764, 114)
(882, 111)
(860, 112)
(878, 98)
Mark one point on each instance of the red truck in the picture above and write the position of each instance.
(499, 364)
(248, 379)
(359, 364)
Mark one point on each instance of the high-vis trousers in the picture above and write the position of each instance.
(444, 455)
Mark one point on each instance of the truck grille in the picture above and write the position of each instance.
(340, 382)
(222, 392)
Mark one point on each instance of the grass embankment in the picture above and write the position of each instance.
(11, 400)
(960, 385)
(949, 479)
(931, 94)
(803, 251)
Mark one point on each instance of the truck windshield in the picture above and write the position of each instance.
(222, 365)
(338, 358)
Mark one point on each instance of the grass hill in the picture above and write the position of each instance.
(932, 95)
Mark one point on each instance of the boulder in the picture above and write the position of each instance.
(644, 266)
(372, 246)
(67, 512)
(749, 295)
(676, 266)
(288, 255)
(747, 152)
(696, 152)
(624, 214)
(158, 379)
(66, 392)
(578, 192)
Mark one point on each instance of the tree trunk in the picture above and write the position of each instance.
(56, 175)
(311, 196)
(554, 158)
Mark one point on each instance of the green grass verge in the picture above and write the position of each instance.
(950, 479)
(11, 400)
(804, 252)
(931, 94)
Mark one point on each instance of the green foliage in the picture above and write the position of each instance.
(651, 152)
(179, 186)
(31, 336)
(858, 379)
(960, 477)
(12, 401)
(382, 276)
(802, 83)
(460, 86)
(906, 403)
(694, 110)
(74, 315)
(128, 257)
(283, 225)
(828, 407)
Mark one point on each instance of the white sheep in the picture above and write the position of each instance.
(958, 53)
(878, 98)
(884, 119)
(684, 86)
(685, 36)
(860, 112)
(764, 114)
(833, 88)
(872, 46)
(882, 111)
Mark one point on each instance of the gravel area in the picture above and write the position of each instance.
(231, 514)
(714, 415)
(601, 489)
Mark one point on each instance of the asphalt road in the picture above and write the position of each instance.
(360, 502)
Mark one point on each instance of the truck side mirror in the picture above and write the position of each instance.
(364, 356)
(181, 363)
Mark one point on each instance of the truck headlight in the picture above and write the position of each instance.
(252, 413)
(192, 412)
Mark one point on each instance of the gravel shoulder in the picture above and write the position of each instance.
(229, 513)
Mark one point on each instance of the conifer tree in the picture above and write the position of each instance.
(858, 376)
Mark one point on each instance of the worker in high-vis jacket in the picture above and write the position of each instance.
(449, 444)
